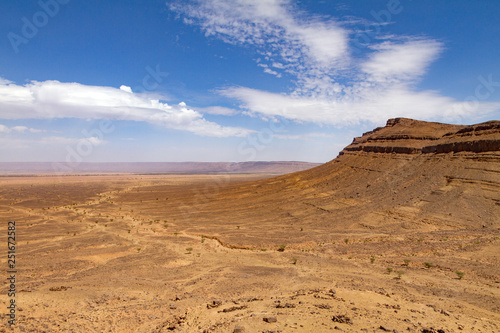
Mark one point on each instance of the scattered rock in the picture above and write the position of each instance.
(234, 308)
(432, 330)
(385, 329)
(61, 288)
(343, 319)
(214, 304)
(285, 306)
(270, 319)
(446, 313)
(323, 306)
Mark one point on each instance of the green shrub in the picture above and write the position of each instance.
(460, 274)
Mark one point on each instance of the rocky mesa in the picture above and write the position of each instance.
(408, 136)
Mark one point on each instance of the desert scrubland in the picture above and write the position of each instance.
(401, 232)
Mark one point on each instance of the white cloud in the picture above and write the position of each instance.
(218, 110)
(125, 88)
(54, 99)
(401, 61)
(272, 26)
(332, 87)
(270, 71)
(370, 104)
(4, 129)
(21, 129)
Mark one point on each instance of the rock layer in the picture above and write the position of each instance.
(408, 136)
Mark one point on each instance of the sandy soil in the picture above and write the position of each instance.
(112, 254)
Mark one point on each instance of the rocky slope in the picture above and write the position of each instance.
(409, 175)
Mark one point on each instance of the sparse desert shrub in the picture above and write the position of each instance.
(460, 274)
(282, 248)
(389, 270)
(294, 261)
(346, 240)
(407, 262)
(372, 259)
(400, 274)
(301, 229)
(138, 249)
(202, 239)
(263, 250)
(189, 249)
(429, 264)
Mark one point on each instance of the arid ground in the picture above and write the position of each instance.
(393, 235)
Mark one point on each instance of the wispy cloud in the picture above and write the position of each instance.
(332, 86)
(218, 110)
(19, 129)
(54, 99)
(274, 28)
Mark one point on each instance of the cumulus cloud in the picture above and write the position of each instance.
(126, 88)
(54, 99)
(331, 85)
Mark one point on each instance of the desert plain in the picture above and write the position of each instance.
(399, 233)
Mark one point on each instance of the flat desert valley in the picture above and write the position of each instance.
(399, 233)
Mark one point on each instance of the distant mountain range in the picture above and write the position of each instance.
(13, 168)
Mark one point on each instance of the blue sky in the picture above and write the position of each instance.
(235, 80)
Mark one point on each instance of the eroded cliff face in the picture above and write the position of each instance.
(408, 136)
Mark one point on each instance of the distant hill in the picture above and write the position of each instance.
(10, 168)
